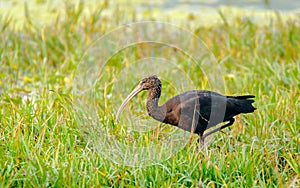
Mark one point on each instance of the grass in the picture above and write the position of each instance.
(42, 142)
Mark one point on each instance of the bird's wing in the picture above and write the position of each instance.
(199, 106)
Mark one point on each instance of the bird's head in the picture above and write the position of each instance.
(145, 84)
(149, 82)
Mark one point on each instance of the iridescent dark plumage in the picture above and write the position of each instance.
(193, 111)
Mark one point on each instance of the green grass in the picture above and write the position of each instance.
(41, 139)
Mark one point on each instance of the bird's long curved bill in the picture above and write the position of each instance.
(129, 97)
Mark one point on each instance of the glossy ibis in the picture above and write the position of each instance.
(193, 111)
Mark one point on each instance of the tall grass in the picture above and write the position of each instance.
(41, 142)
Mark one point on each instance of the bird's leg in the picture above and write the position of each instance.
(201, 139)
(231, 121)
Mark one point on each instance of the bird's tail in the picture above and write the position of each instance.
(243, 104)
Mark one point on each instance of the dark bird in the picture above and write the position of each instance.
(193, 111)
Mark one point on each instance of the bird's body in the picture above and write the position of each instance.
(193, 111)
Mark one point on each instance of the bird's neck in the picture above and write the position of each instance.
(155, 111)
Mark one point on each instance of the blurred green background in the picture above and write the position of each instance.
(42, 144)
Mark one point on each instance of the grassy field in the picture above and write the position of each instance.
(43, 143)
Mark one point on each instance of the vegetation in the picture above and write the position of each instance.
(42, 143)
